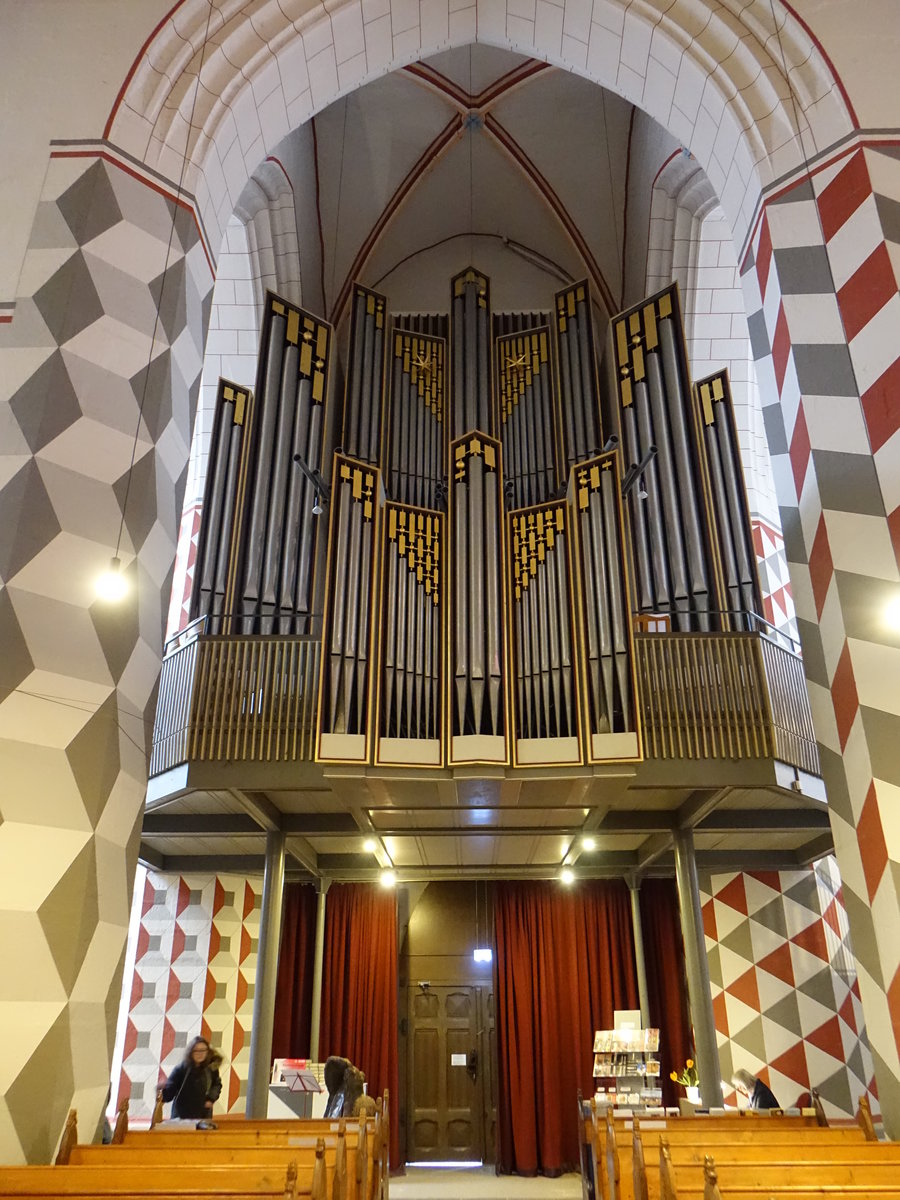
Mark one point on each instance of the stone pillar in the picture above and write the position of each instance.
(697, 966)
(639, 961)
(266, 978)
(319, 955)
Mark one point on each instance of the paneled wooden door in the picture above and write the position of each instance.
(450, 1076)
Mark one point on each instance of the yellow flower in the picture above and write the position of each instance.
(689, 1063)
(673, 1076)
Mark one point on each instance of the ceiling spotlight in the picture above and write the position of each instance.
(567, 876)
(892, 614)
(370, 845)
(589, 843)
(112, 584)
(388, 879)
(317, 509)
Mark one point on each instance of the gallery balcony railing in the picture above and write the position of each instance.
(725, 696)
(236, 698)
(250, 698)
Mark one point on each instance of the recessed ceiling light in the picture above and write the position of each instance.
(589, 843)
(388, 879)
(370, 845)
(567, 876)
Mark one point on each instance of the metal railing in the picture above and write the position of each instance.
(245, 698)
(237, 698)
(724, 696)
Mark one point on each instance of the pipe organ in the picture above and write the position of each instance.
(487, 545)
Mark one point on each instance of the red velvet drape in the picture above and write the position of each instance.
(666, 979)
(564, 963)
(293, 996)
(359, 989)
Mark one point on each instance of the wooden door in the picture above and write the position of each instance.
(445, 1109)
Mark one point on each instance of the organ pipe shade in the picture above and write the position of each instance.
(415, 451)
(714, 410)
(347, 637)
(411, 657)
(579, 395)
(364, 396)
(676, 566)
(542, 623)
(215, 543)
(274, 581)
(527, 429)
(604, 603)
(470, 336)
(477, 635)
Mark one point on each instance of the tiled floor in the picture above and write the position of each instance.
(479, 1183)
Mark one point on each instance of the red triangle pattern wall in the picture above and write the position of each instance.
(194, 965)
(783, 978)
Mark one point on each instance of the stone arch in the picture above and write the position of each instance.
(709, 73)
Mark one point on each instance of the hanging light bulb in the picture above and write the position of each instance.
(317, 509)
(112, 584)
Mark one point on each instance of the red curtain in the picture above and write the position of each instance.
(293, 996)
(564, 963)
(359, 989)
(666, 979)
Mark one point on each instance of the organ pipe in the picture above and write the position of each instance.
(272, 589)
(470, 332)
(347, 637)
(524, 381)
(669, 513)
(415, 442)
(732, 529)
(364, 397)
(477, 635)
(579, 396)
(216, 536)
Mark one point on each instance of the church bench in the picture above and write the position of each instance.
(774, 1139)
(715, 1180)
(182, 1181)
(740, 1124)
(686, 1160)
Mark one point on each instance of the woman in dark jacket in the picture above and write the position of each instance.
(194, 1084)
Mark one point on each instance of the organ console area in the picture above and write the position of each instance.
(466, 521)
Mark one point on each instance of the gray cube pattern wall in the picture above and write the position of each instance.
(103, 329)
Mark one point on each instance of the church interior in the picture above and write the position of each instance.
(484, 415)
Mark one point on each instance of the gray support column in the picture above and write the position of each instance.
(266, 978)
(639, 961)
(319, 954)
(697, 970)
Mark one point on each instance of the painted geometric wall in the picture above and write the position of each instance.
(774, 579)
(784, 986)
(195, 965)
(99, 372)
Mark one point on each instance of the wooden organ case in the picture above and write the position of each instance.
(473, 588)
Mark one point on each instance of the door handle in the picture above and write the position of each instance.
(472, 1064)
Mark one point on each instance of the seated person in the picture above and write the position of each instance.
(345, 1087)
(754, 1089)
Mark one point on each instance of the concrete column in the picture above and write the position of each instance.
(266, 978)
(639, 960)
(697, 971)
(318, 957)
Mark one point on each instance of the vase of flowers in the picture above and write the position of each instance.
(689, 1080)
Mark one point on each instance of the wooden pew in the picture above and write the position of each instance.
(775, 1137)
(162, 1182)
(762, 1181)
